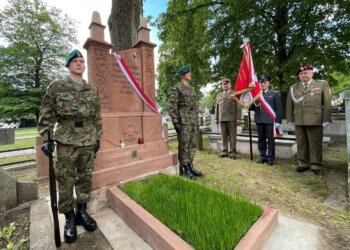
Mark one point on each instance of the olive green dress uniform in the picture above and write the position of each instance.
(183, 109)
(72, 111)
(308, 108)
(228, 111)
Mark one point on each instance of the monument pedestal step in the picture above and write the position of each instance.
(130, 153)
(120, 172)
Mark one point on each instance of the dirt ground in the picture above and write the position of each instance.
(318, 199)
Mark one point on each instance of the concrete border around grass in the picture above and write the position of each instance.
(158, 236)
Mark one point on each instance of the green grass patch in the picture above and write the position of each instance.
(16, 159)
(24, 132)
(204, 217)
(24, 143)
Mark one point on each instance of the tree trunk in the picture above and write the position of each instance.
(123, 23)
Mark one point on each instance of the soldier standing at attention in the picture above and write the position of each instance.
(309, 107)
(71, 109)
(183, 111)
(228, 114)
(264, 122)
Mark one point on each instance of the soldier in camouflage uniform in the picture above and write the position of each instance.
(183, 110)
(309, 107)
(71, 109)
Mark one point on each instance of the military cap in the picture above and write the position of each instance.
(264, 78)
(184, 70)
(225, 81)
(71, 55)
(304, 67)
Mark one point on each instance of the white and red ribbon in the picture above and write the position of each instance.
(127, 73)
(131, 79)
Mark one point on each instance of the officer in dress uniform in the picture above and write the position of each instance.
(264, 122)
(71, 109)
(183, 110)
(228, 114)
(309, 108)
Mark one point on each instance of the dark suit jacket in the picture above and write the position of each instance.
(274, 100)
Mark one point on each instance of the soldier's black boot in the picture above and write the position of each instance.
(181, 170)
(187, 171)
(70, 228)
(195, 171)
(84, 219)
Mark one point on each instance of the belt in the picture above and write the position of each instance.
(77, 124)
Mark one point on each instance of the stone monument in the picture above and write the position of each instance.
(126, 118)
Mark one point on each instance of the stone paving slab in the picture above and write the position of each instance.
(117, 233)
(295, 234)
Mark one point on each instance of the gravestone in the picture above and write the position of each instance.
(8, 191)
(7, 136)
(126, 118)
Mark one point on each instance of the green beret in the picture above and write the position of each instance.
(184, 70)
(71, 55)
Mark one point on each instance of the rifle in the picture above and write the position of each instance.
(54, 198)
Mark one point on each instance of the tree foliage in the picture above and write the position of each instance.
(37, 39)
(284, 34)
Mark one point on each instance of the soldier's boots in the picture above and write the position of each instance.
(84, 219)
(70, 228)
(195, 171)
(187, 171)
(181, 170)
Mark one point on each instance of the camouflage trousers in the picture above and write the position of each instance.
(187, 144)
(73, 168)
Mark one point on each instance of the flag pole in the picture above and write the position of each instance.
(250, 136)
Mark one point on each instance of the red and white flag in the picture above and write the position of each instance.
(247, 89)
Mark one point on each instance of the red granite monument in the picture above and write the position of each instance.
(127, 119)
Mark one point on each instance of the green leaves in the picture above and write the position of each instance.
(37, 39)
(284, 34)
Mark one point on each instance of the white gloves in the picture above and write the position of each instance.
(325, 124)
(277, 124)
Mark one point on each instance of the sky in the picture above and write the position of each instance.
(81, 10)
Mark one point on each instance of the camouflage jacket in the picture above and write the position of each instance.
(72, 111)
(183, 105)
(310, 106)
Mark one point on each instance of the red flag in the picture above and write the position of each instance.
(247, 88)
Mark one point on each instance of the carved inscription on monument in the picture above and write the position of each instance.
(101, 77)
(149, 73)
(124, 97)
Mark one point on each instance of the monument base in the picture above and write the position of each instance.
(116, 165)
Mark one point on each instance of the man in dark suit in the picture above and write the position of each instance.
(264, 122)
(309, 108)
